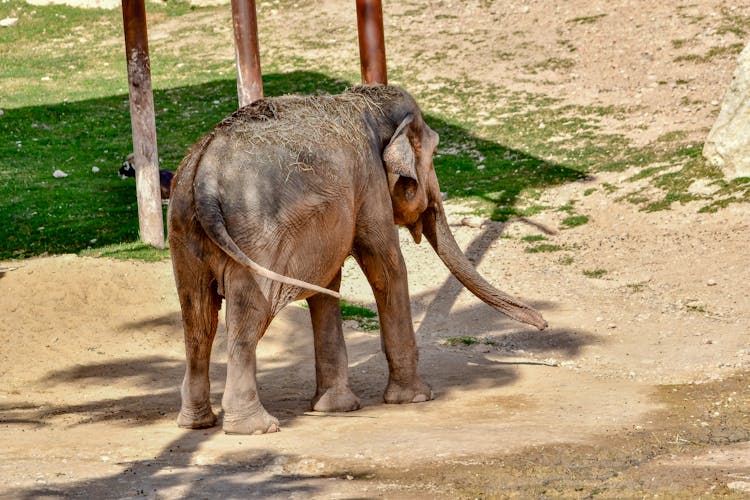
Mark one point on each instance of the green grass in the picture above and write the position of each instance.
(125, 251)
(63, 93)
(595, 273)
(586, 19)
(574, 221)
(724, 50)
(544, 248)
(566, 260)
(636, 287)
(366, 318)
(533, 238)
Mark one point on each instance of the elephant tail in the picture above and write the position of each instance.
(209, 214)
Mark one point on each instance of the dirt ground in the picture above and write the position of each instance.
(638, 388)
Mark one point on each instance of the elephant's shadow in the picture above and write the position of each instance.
(286, 370)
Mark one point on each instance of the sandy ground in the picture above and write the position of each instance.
(92, 360)
(639, 387)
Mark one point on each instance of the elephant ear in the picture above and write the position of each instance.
(398, 155)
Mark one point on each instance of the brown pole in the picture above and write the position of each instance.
(143, 123)
(371, 41)
(246, 51)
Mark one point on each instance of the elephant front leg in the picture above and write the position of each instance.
(331, 365)
(248, 316)
(385, 270)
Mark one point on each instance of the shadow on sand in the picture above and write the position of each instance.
(286, 380)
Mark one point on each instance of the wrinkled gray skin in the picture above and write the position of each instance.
(293, 186)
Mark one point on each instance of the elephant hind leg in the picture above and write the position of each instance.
(248, 315)
(200, 304)
(333, 392)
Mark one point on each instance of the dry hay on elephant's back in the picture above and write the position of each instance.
(301, 125)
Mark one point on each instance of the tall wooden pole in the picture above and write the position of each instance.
(143, 123)
(246, 51)
(371, 41)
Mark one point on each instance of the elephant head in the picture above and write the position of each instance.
(417, 205)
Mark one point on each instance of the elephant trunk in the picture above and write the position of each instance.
(437, 232)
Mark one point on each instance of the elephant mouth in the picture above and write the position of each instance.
(434, 225)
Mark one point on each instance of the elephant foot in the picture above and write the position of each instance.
(200, 418)
(257, 421)
(417, 392)
(336, 399)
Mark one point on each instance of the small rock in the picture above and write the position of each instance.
(611, 326)
(95, 169)
(59, 174)
(739, 486)
(708, 341)
(481, 167)
(475, 222)
(711, 282)
(8, 22)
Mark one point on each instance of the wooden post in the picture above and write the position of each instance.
(143, 123)
(246, 51)
(371, 41)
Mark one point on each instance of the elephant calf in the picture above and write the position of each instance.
(264, 211)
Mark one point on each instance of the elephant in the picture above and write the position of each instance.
(266, 207)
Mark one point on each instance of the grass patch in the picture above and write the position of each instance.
(544, 248)
(533, 238)
(365, 318)
(726, 50)
(595, 273)
(566, 260)
(586, 19)
(551, 64)
(45, 214)
(636, 287)
(129, 251)
(574, 221)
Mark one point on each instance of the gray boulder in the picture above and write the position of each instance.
(728, 144)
